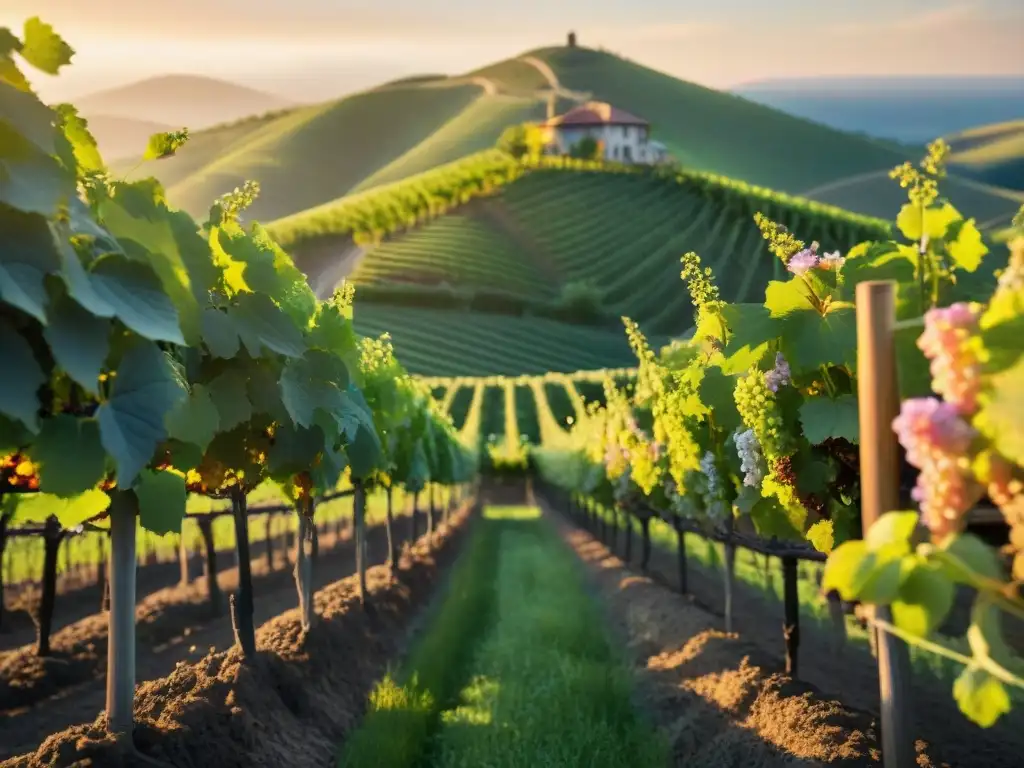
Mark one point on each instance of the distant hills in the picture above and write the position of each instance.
(909, 109)
(993, 153)
(304, 156)
(119, 115)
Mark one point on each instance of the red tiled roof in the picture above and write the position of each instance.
(596, 113)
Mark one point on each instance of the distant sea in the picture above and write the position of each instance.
(911, 110)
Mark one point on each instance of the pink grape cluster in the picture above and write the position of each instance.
(936, 439)
(955, 366)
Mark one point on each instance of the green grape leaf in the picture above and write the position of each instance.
(771, 519)
(195, 419)
(162, 145)
(79, 341)
(13, 435)
(809, 339)
(822, 536)
(265, 392)
(76, 129)
(150, 233)
(137, 297)
(43, 48)
(295, 449)
(716, 392)
(37, 507)
(261, 323)
(161, 497)
(144, 390)
(925, 598)
(967, 555)
(315, 380)
(69, 454)
(967, 249)
(751, 330)
(28, 120)
(229, 394)
(1002, 326)
(822, 418)
(982, 697)
(269, 270)
(21, 380)
(934, 220)
(1000, 416)
(28, 254)
(848, 567)
(915, 378)
(184, 456)
(363, 452)
(219, 333)
(891, 533)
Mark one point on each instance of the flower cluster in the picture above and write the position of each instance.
(804, 261)
(955, 366)
(937, 440)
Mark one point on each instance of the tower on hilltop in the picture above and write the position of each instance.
(572, 40)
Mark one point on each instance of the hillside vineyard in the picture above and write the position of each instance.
(492, 448)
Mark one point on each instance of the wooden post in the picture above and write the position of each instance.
(629, 540)
(878, 401)
(791, 622)
(645, 558)
(730, 573)
(681, 541)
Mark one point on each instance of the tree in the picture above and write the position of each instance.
(523, 140)
(587, 148)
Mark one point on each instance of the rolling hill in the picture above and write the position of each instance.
(311, 155)
(192, 101)
(992, 153)
(533, 270)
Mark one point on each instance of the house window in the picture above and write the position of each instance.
(627, 154)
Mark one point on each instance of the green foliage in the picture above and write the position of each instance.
(587, 148)
(148, 355)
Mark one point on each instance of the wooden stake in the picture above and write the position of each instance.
(791, 625)
(878, 401)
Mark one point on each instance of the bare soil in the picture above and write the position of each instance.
(289, 706)
(39, 697)
(723, 700)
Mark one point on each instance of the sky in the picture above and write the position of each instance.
(309, 50)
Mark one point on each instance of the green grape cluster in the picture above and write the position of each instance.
(759, 410)
(703, 291)
(781, 241)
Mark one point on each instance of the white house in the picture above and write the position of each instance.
(625, 138)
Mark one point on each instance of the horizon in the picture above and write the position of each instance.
(312, 50)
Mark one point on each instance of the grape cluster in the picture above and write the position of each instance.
(751, 459)
(780, 375)
(937, 440)
(947, 343)
(18, 473)
(759, 411)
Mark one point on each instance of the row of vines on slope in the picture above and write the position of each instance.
(753, 424)
(147, 356)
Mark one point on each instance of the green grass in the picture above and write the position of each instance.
(476, 127)
(513, 670)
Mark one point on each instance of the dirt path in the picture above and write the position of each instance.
(695, 677)
(173, 626)
(552, 79)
